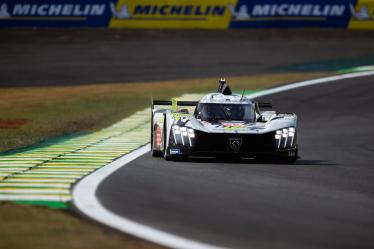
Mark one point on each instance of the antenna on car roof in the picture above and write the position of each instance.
(242, 94)
(223, 87)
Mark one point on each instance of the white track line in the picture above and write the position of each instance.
(310, 83)
(85, 199)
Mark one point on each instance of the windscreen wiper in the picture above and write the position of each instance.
(228, 117)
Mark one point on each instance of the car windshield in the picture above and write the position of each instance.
(237, 112)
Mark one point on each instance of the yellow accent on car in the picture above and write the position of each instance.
(174, 104)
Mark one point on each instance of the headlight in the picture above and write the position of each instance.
(183, 135)
(176, 129)
(285, 137)
(191, 133)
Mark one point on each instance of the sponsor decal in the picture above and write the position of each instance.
(171, 14)
(258, 127)
(235, 144)
(175, 151)
(176, 116)
(290, 13)
(233, 125)
(362, 15)
(54, 13)
(182, 117)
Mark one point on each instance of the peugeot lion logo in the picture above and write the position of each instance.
(235, 144)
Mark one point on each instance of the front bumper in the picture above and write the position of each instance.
(238, 145)
(181, 151)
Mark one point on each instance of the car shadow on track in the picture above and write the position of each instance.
(299, 162)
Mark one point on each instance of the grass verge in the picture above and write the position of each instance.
(24, 226)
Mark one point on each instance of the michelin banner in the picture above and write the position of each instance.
(207, 14)
(54, 13)
(362, 15)
(288, 14)
(212, 14)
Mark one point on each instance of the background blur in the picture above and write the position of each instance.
(69, 68)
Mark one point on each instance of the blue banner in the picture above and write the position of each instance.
(186, 13)
(291, 13)
(56, 13)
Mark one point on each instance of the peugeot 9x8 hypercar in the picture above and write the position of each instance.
(223, 124)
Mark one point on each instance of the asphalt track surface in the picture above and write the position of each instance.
(325, 200)
(45, 57)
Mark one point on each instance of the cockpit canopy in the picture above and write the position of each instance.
(221, 111)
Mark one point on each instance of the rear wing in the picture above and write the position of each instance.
(265, 105)
(262, 105)
(177, 103)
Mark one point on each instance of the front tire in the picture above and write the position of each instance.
(156, 153)
(169, 157)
